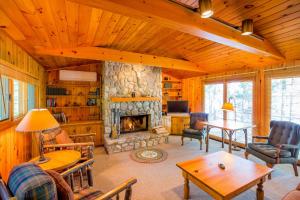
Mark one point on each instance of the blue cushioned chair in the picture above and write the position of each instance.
(282, 146)
(195, 130)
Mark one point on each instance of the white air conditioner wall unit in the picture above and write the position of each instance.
(70, 75)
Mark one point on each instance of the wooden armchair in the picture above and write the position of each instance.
(60, 140)
(80, 188)
(29, 181)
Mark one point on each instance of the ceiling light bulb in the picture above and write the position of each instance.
(247, 27)
(205, 8)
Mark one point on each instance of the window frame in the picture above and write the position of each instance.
(2, 122)
(225, 80)
(27, 96)
(22, 98)
(269, 75)
(13, 120)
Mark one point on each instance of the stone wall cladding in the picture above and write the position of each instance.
(120, 80)
(131, 141)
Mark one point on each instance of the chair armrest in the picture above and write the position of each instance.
(259, 137)
(186, 126)
(124, 186)
(77, 168)
(287, 146)
(69, 145)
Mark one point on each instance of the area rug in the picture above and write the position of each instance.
(149, 155)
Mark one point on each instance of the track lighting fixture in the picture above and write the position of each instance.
(247, 27)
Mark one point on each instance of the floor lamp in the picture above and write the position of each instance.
(38, 121)
(229, 106)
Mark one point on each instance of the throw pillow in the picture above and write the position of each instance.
(63, 138)
(199, 125)
(49, 136)
(64, 191)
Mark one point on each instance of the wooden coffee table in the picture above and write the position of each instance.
(238, 176)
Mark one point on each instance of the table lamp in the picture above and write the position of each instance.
(38, 120)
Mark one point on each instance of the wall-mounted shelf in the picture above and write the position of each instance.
(131, 99)
(85, 96)
(171, 90)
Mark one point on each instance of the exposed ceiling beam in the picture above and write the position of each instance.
(177, 17)
(7, 25)
(97, 53)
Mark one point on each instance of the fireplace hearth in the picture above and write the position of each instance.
(134, 123)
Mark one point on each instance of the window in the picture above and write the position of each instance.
(285, 99)
(4, 98)
(213, 103)
(30, 96)
(18, 94)
(242, 96)
(16, 98)
(241, 93)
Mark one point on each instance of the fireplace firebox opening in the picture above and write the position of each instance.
(134, 123)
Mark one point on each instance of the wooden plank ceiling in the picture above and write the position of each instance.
(66, 24)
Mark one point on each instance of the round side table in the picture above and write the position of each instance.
(59, 160)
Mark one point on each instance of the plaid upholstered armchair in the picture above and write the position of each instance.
(28, 181)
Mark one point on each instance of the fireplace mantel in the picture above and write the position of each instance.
(133, 99)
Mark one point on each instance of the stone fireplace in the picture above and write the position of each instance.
(135, 117)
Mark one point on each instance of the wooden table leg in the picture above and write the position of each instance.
(246, 137)
(230, 141)
(186, 188)
(207, 138)
(222, 138)
(260, 191)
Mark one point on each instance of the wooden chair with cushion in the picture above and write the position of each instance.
(195, 129)
(29, 181)
(282, 146)
(59, 139)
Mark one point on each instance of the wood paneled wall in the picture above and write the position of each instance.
(16, 147)
(193, 89)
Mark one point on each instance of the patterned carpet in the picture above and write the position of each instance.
(148, 155)
(163, 181)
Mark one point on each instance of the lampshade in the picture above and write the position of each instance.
(205, 8)
(228, 106)
(37, 120)
(247, 27)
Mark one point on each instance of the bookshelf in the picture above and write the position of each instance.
(171, 90)
(76, 105)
